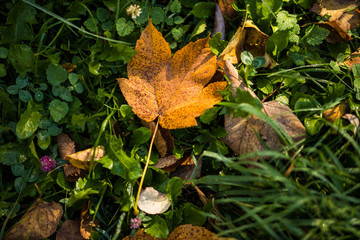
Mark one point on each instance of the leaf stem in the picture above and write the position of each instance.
(136, 211)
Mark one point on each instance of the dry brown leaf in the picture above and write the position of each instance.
(335, 113)
(219, 22)
(70, 230)
(140, 235)
(176, 88)
(82, 159)
(69, 67)
(152, 201)
(39, 222)
(354, 120)
(353, 58)
(244, 132)
(247, 38)
(66, 145)
(87, 224)
(227, 9)
(343, 12)
(164, 142)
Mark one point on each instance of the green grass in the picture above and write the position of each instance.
(303, 190)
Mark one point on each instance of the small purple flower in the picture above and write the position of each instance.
(135, 223)
(47, 164)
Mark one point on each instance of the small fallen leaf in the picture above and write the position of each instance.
(176, 88)
(354, 120)
(335, 113)
(152, 201)
(39, 222)
(164, 142)
(70, 230)
(227, 9)
(82, 159)
(87, 224)
(343, 12)
(353, 58)
(72, 174)
(336, 35)
(219, 23)
(66, 145)
(140, 235)
(69, 67)
(243, 133)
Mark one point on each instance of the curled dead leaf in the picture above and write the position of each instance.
(227, 9)
(87, 224)
(152, 201)
(164, 142)
(354, 120)
(335, 113)
(343, 12)
(70, 230)
(39, 222)
(66, 145)
(247, 38)
(69, 67)
(219, 22)
(82, 159)
(173, 88)
(336, 35)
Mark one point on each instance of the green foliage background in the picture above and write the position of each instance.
(39, 100)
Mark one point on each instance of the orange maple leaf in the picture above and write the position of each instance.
(175, 89)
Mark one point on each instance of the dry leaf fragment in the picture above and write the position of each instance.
(343, 12)
(39, 222)
(82, 159)
(140, 235)
(152, 201)
(354, 120)
(168, 163)
(164, 142)
(186, 171)
(335, 113)
(72, 174)
(70, 230)
(189, 232)
(353, 58)
(69, 67)
(66, 145)
(175, 89)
